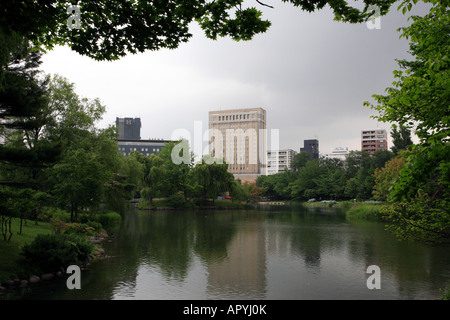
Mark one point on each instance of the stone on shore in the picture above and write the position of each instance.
(47, 276)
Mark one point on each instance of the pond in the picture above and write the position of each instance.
(275, 253)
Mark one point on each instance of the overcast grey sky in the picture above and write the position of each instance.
(310, 73)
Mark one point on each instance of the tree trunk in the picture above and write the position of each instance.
(10, 232)
(6, 228)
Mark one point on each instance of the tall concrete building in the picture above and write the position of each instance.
(279, 160)
(129, 128)
(239, 137)
(374, 140)
(312, 147)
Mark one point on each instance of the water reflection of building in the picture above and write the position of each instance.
(242, 274)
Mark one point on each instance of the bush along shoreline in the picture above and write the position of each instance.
(49, 255)
(367, 210)
(41, 270)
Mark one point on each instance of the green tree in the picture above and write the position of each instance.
(23, 155)
(252, 191)
(300, 159)
(73, 117)
(238, 192)
(153, 175)
(212, 178)
(419, 101)
(401, 138)
(23, 97)
(332, 184)
(277, 186)
(385, 177)
(177, 176)
(125, 183)
(89, 159)
(305, 185)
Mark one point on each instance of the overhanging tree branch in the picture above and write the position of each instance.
(263, 4)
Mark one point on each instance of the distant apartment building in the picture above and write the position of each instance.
(129, 128)
(239, 137)
(279, 160)
(129, 140)
(374, 140)
(340, 153)
(312, 147)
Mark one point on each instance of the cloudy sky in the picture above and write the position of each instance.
(310, 73)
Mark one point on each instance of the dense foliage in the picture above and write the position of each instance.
(52, 154)
(50, 252)
(419, 101)
(326, 179)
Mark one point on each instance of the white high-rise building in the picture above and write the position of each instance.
(279, 160)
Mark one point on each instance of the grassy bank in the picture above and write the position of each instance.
(53, 223)
(10, 251)
(355, 210)
(366, 211)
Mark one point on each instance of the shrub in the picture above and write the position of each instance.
(109, 219)
(58, 224)
(49, 252)
(50, 213)
(80, 228)
(177, 200)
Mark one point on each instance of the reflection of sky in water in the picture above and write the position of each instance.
(265, 260)
(256, 255)
(152, 283)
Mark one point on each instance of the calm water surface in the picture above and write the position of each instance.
(281, 253)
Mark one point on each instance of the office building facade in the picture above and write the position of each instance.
(145, 147)
(374, 140)
(238, 136)
(129, 140)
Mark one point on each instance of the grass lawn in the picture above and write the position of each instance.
(10, 252)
